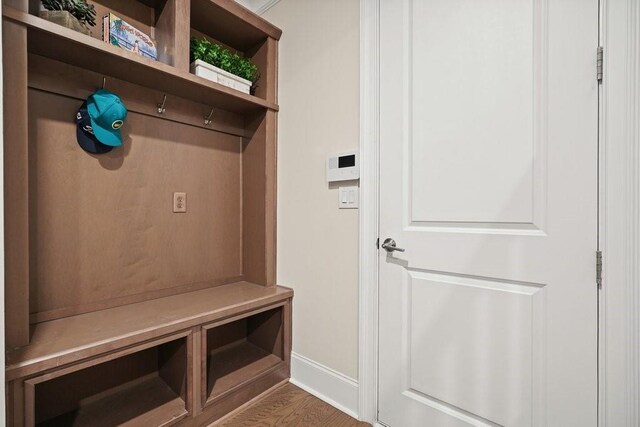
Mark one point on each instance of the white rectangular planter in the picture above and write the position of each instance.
(209, 72)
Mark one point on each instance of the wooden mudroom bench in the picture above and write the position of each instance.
(224, 345)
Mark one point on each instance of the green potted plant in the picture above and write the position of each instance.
(77, 15)
(213, 62)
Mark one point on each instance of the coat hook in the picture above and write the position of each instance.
(161, 108)
(207, 120)
(104, 82)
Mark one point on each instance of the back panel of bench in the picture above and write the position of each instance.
(102, 227)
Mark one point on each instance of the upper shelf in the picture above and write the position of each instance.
(62, 44)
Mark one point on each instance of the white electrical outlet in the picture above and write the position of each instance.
(179, 202)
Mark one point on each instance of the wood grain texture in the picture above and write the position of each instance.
(16, 186)
(181, 42)
(135, 13)
(75, 82)
(148, 402)
(236, 364)
(225, 404)
(107, 387)
(62, 44)
(230, 23)
(165, 31)
(265, 56)
(63, 341)
(23, 5)
(271, 197)
(259, 199)
(253, 201)
(112, 272)
(116, 234)
(241, 350)
(290, 406)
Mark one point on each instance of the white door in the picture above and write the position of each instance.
(488, 180)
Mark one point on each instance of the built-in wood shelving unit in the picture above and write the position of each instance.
(118, 309)
(62, 44)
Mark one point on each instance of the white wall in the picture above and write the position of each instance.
(319, 115)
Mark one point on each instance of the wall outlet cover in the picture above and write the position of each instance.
(179, 202)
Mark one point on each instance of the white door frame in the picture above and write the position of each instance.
(369, 163)
(620, 215)
(619, 318)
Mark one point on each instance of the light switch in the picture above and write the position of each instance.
(348, 197)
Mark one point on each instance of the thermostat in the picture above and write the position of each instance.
(343, 167)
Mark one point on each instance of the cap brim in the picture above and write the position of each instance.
(111, 137)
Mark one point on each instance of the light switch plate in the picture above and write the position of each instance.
(348, 197)
(179, 202)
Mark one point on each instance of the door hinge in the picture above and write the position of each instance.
(600, 63)
(599, 269)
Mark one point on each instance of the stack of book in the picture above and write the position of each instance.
(119, 33)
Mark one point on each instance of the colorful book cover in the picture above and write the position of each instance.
(118, 32)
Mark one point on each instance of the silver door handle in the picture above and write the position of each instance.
(389, 245)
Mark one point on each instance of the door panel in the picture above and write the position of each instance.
(469, 107)
(488, 179)
(464, 331)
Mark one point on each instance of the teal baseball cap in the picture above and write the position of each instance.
(107, 114)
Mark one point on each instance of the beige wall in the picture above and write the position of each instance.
(319, 116)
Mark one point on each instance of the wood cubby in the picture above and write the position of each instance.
(143, 386)
(110, 295)
(157, 18)
(239, 350)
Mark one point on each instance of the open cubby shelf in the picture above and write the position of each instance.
(147, 387)
(236, 364)
(214, 20)
(238, 351)
(148, 401)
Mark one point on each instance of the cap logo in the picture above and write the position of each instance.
(117, 124)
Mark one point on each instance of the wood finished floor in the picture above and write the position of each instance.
(290, 406)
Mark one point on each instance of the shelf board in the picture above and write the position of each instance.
(236, 364)
(70, 339)
(62, 44)
(148, 402)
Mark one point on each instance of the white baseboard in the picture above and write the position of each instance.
(336, 389)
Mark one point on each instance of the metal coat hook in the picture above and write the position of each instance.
(207, 120)
(161, 108)
(104, 82)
